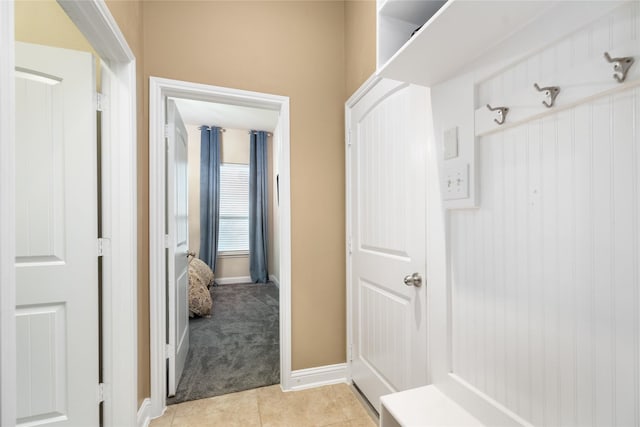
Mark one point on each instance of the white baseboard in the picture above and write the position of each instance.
(275, 280)
(233, 280)
(144, 413)
(316, 377)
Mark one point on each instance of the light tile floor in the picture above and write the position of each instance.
(333, 405)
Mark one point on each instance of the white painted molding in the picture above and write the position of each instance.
(275, 280)
(362, 90)
(159, 89)
(7, 218)
(283, 132)
(119, 208)
(94, 20)
(157, 291)
(317, 377)
(144, 413)
(233, 280)
(119, 196)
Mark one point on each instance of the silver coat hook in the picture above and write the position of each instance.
(620, 66)
(502, 113)
(551, 92)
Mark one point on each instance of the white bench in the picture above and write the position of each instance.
(423, 407)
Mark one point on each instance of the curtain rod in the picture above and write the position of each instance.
(208, 127)
(224, 130)
(254, 131)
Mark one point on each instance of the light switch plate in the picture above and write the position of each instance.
(451, 143)
(456, 182)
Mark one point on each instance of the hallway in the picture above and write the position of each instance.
(333, 405)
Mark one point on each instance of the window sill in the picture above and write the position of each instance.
(233, 254)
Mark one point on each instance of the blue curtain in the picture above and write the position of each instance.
(209, 194)
(258, 205)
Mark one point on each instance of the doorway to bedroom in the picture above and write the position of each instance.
(240, 333)
(233, 247)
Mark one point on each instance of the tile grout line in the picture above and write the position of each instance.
(259, 411)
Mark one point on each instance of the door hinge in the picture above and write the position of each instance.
(100, 392)
(166, 240)
(349, 138)
(350, 245)
(104, 246)
(100, 101)
(350, 353)
(168, 350)
(167, 130)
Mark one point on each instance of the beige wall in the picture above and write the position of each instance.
(233, 267)
(235, 146)
(128, 15)
(294, 49)
(44, 22)
(317, 53)
(360, 42)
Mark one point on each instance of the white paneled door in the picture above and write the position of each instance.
(56, 237)
(387, 187)
(178, 248)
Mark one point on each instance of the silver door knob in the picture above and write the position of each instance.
(414, 279)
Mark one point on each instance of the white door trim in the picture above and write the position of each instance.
(7, 218)
(159, 88)
(95, 21)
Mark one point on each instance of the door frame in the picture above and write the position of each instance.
(159, 89)
(119, 212)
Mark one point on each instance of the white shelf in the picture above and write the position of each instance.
(456, 35)
(397, 20)
(423, 406)
(412, 11)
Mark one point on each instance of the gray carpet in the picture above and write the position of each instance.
(237, 348)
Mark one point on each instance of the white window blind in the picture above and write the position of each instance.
(234, 208)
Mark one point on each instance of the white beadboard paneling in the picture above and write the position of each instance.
(636, 242)
(624, 215)
(575, 64)
(583, 241)
(381, 199)
(41, 394)
(566, 270)
(545, 274)
(383, 316)
(604, 328)
(620, 28)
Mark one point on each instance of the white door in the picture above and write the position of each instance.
(178, 231)
(56, 237)
(387, 222)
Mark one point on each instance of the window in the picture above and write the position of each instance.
(234, 208)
